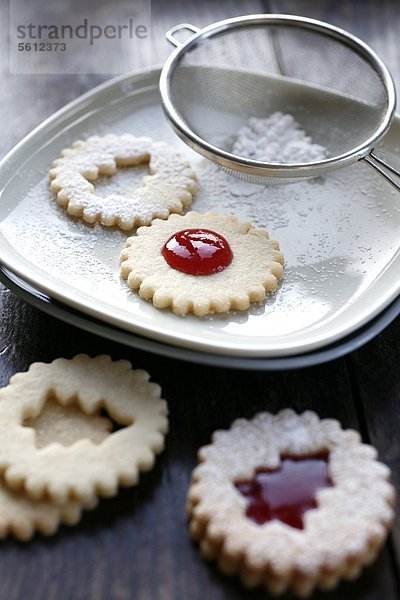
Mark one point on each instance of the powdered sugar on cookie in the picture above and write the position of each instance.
(342, 534)
(168, 188)
(254, 271)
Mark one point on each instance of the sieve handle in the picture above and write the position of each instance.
(181, 27)
(378, 163)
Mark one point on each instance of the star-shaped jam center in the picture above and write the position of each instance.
(286, 493)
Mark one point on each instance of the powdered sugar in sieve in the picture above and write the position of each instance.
(277, 139)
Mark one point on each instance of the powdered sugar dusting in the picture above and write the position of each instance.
(338, 234)
(347, 528)
(277, 139)
(169, 187)
(245, 281)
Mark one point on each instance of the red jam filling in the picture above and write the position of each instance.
(286, 493)
(197, 252)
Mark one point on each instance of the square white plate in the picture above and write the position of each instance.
(339, 234)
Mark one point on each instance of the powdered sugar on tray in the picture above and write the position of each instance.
(277, 139)
(338, 235)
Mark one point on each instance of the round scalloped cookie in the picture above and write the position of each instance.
(169, 188)
(254, 271)
(85, 469)
(343, 533)
(21, 517)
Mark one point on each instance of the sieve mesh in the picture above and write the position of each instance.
(333, 89)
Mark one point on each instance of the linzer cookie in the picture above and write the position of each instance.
(56, 444)
(168, 188)
(21, 516)
(290, 502)
(201, 263)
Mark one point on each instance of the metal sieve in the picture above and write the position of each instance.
(336, 88)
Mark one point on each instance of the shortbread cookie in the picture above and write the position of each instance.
(21, 516)
(67, 424)
(290, 501)
(201, 263)
(88, 467)
(168, 189)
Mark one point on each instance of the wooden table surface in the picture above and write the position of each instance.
(136, 545)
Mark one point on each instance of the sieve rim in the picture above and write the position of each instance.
(256, 168)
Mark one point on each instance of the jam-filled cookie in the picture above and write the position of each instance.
(290, 502)
(202, 263)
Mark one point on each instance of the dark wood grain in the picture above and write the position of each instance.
(138, 542)
(375, 373)
(136, 545)
(374, 370)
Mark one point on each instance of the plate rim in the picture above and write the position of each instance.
(153, 332)
(68, 315)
